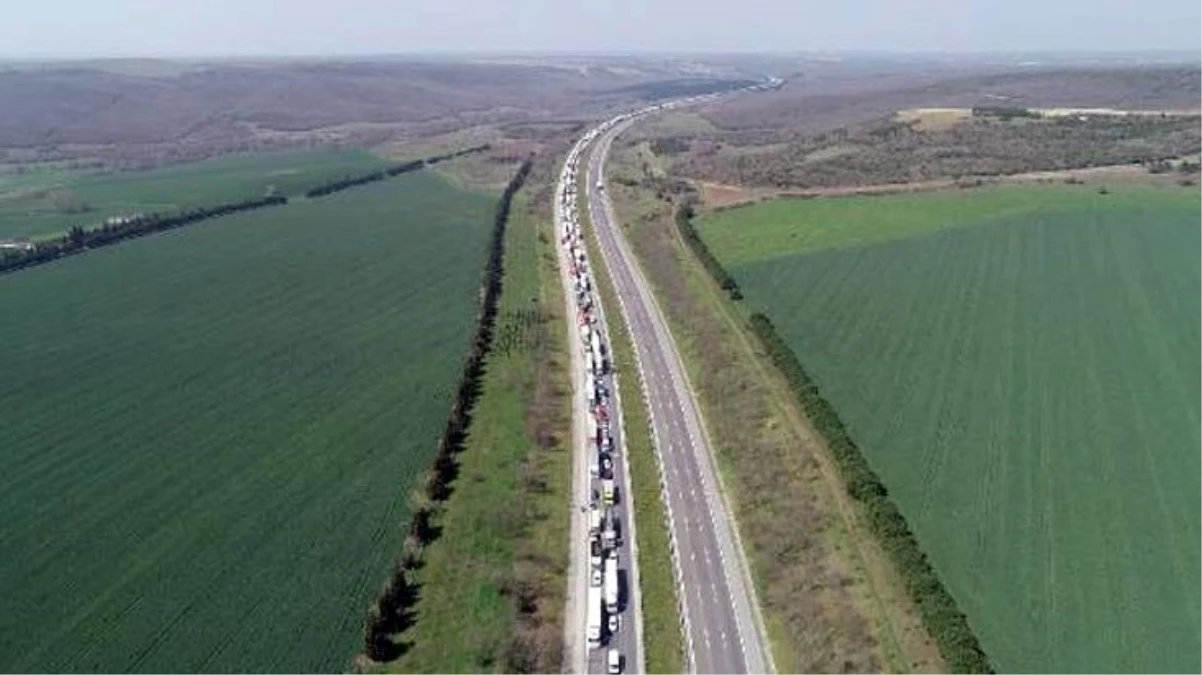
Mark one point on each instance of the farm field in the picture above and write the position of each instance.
(211, 433)
(1020, 367)
(45, 202)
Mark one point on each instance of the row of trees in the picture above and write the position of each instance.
(943, 618)
(485, 147)
(346, 182)
(79, 239)
(684, 223)
(392, 613)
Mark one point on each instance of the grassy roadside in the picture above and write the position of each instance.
(662, 639)
(492, 585)
(830, 600)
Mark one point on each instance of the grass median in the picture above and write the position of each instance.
(492, 585)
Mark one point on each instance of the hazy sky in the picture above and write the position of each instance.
(241, 27)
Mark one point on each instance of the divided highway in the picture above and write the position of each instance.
(722, 628)
(603, 629)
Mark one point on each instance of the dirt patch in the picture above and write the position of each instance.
(934, 119)
(717, 195)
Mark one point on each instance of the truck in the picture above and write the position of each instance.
(609, 530)
(595, 615)
(597, 359)
(594, 550)
(594, 520)
(611, 587)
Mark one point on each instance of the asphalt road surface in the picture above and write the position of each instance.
(723, 631)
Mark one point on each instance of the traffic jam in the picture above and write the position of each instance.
(604, 529)
(604, 606)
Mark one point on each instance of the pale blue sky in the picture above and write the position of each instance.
(291, 27)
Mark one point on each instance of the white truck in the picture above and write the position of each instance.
(611, 586)
(595, 618)
(597, 359)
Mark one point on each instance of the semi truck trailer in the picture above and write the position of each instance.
(611, 586)
(595, 618)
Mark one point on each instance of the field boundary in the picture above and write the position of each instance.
(349, 182)
(81, 239)
(78, 240)
(958, 644)
(392, 613)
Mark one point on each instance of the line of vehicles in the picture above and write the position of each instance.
(604, 599)
(604, 593)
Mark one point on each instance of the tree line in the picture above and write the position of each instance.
(346, 182)
(79, 239)
(684, 223)
(392, 612)
(948, 625)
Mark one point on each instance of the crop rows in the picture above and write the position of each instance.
(1027, 390)
(210, 434)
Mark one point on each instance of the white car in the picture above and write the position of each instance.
(614, 661)
(613, 624)
(595, 580)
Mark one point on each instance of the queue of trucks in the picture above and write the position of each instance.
(604, 599)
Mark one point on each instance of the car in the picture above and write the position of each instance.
(613, 624)
(595, 580)
(614, 661)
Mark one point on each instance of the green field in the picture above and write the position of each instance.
(41, 202)
(210, 434)
(1021, 368)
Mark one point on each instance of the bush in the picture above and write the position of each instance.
(684, 223)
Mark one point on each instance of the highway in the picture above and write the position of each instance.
(723, 632)
(584, 657)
